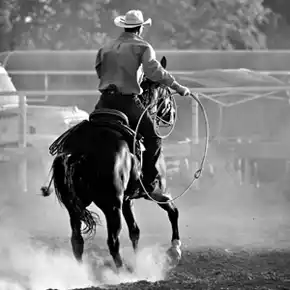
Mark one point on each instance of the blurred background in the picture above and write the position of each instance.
(186, 24)
(238, 49)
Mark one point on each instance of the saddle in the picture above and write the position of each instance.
(118, 121)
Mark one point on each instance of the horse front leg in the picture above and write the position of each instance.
(173, 214)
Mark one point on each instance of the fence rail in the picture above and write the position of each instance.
(93, 73)
(94, 92)
(255, 92)
(178, 59)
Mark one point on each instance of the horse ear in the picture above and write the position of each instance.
(163, 62)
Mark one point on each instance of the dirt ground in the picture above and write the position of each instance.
(233, 237)
(220, 269)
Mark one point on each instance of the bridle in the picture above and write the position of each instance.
(160, 103)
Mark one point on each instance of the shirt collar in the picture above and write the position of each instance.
(129, 35)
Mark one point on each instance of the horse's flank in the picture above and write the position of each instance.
(98, 163)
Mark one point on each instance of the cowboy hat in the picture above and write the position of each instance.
(133, 18)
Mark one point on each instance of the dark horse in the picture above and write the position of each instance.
(95, 164)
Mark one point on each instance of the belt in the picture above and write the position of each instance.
(113, 90)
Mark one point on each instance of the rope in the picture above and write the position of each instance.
(172, 99)
(198, 172)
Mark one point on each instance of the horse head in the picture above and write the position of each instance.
(159, 99)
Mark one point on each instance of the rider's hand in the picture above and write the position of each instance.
(181, 90)
(184, 91)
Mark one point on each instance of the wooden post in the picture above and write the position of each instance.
(240, 171)
(220, 124)
(256, 174)
(22, 143)
(248, 171)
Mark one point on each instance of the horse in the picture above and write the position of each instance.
(95, 163)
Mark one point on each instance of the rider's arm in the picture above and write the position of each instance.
(156, 73)
(153, 69)
(98, 63)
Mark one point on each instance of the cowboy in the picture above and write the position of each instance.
(122, 65)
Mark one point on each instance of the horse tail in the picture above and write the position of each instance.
(46, 190)
(64, 179)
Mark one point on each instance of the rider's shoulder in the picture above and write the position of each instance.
(109, 43)
(145, 43)
(145, 46)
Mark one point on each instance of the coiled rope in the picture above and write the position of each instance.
(198, 172)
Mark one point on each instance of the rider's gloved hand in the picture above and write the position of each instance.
(181, 90)
(184, 91)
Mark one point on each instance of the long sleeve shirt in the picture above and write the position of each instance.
(124, 62)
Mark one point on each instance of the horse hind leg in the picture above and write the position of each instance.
(112, 213)
(77, 240)
(134, 231)
(69, 194)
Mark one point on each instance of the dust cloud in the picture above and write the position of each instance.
(224, 213)
(35, 251)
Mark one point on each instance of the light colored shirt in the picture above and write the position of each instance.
(124, 62)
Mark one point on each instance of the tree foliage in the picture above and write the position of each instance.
(280, 7)
(55, 24)
(86, 24)
(212, 24)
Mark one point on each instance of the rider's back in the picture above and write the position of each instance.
(121, 63)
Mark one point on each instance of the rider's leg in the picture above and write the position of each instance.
(152, 145)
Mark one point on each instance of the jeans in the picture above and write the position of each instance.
(133, 108)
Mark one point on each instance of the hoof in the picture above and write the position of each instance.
(128, 268)
(174, 253)
(124, 268)
(176, 244)
(79, 259)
